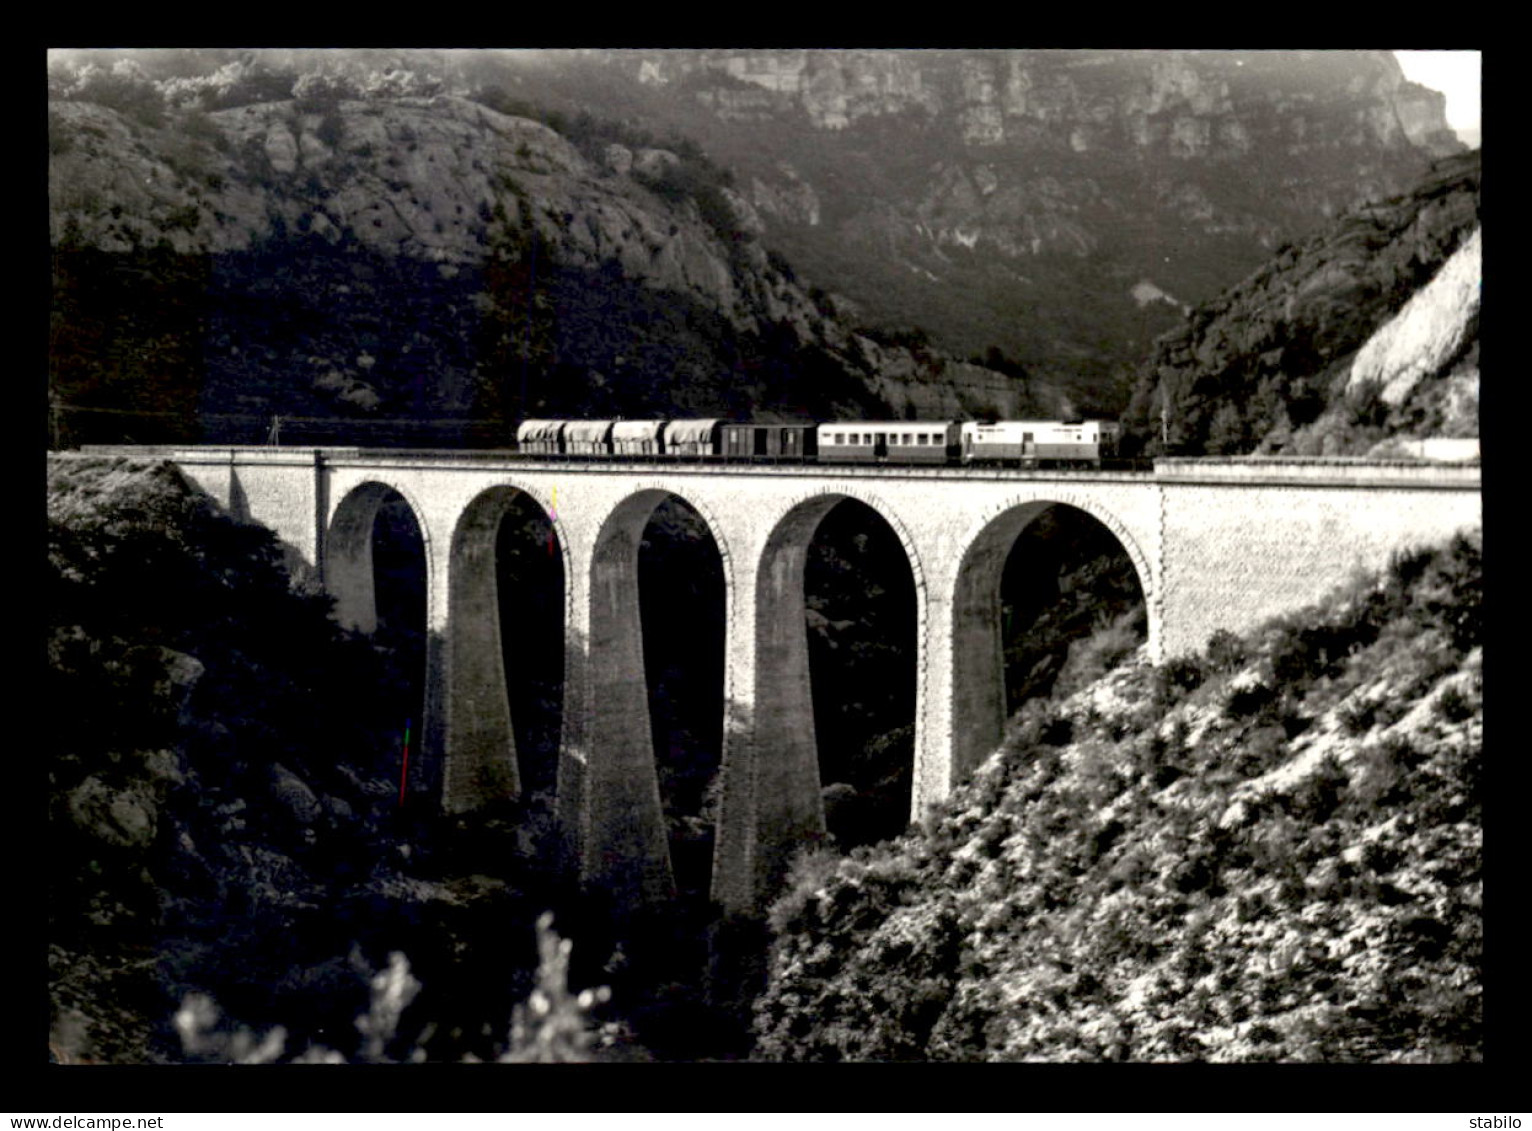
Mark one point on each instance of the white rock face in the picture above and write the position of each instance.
(282, 148)
(1422, 337)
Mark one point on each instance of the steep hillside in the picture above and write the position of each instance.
(225, 819)
(369, 257)
(1364, 332)
(1268, 852)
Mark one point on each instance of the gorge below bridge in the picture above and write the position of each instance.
(1216, 543)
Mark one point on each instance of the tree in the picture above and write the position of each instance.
(1226, 431)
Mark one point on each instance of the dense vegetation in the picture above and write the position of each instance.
(225, 820)
(154, 345)
(1270, 851)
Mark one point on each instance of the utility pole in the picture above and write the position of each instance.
(273, 437)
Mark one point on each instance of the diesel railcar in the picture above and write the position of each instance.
(1040, 443)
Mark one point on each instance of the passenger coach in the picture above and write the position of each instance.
(909, 441)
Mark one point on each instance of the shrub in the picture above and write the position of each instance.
(1261, 751)
(1358, 715)
(1225, 652)
(1249, 701)
(1320, 794)
(1453, 706)
(551, 1026)
(1057, 730)
(1177, 676)
(321, 91)
(1094, 656)
(124, 88)
(811, 872)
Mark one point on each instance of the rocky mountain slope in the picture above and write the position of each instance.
(1269, 852)
(1061, 205)
(380, 256)
(1364, 332)
(1046, 213)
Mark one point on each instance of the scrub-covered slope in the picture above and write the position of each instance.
(1268, 852)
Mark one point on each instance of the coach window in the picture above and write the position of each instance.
(840, 437)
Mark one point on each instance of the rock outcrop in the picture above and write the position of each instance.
(1365, 331)
(1429, 332)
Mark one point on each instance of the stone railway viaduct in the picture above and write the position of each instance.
(1216, 544)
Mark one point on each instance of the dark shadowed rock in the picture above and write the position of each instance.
(122, 817)
(294, 795)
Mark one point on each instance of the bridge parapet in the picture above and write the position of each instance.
(1339, 471)
(1247, 539)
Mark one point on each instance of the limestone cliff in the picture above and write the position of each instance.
(1059, 207)
(1018, 198)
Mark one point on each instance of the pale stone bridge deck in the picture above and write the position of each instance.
(1216, 544)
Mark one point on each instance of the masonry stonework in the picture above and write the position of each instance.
(1216, 544)
(1240, 548)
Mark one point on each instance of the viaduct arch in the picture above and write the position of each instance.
(346, 565)
(771, 799)
(614, 798)
(978, 664)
